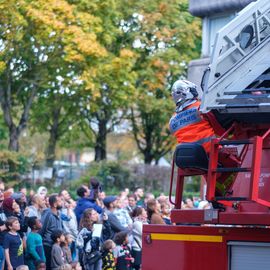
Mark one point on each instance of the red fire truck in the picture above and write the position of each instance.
(235, 233)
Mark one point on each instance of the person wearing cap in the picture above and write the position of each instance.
(110, 205)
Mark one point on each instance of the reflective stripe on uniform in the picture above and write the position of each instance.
(205, 140)
(184, 119)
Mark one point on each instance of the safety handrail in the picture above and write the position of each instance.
(171, 184)
(255, 168)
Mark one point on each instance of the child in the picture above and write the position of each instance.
(34, 246)
(108, 261)
(66, 248)
(57, 255)
(166, 212)
(13, 244)
(122, 252)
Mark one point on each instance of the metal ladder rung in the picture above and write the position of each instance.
(242, 97)
(243, 106)
(230, 198)
(247, 91)
(232, 170)
(235, 142)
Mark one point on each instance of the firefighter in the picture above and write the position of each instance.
(186, 124)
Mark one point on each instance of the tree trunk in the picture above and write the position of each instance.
(54, 136)
(6, 104)
(14, 135)
(148, 151)
(148, 157)
(100, 146)
(50, 154)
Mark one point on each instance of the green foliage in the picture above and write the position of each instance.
(3, 134)
(193, 184)
(74, 67)
(46, 46)
(192, 187)
(167, 37)
(77, 137)
(113, 176)
(190, 195)
(116, 176)
(13, 166)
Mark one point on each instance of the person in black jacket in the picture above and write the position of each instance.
(110, 204)
(51, 222)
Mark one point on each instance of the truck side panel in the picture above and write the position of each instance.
(195, 247)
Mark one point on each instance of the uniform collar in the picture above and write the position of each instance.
(184, 105)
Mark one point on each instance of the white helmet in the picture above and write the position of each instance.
(183, 91)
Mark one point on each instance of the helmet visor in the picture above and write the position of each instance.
(178, 96)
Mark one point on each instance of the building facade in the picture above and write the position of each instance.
(215, 14)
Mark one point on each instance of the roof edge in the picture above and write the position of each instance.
(203, 8)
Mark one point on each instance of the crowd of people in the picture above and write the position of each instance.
(94, 232)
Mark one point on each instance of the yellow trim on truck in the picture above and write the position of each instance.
(186, 237)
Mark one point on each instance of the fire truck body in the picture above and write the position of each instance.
(233, 236)
(235, 233)
(204, 248)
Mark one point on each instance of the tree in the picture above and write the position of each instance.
(56, 114)
(165, 37)
(149, 44)
(109, 105)
(3, 133)
(37, 37)
(149, 126)
(113, 78)
(105, 90)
